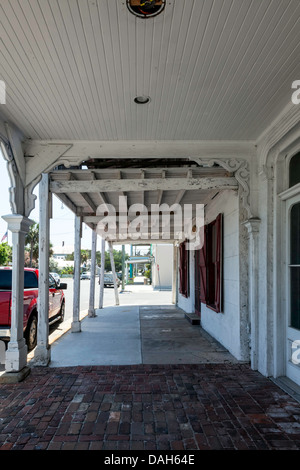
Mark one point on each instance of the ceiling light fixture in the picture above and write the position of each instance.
(142, 99)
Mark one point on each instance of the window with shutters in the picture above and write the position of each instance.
(183, 269)
(210, 265)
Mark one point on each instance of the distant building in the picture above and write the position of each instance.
(162, 266)
(61, 252)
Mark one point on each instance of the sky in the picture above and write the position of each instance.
(61, 225)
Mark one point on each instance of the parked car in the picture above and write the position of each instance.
(85, 275)
(56, 277)
(30, 318)
(109, 280)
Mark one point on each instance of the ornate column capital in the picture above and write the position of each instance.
(252, 225)
(17, 223)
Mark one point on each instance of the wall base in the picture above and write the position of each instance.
(14, 377)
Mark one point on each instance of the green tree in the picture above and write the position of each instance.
(32, 244)
(32, 241)
(85, 256)
(5, 254)
(117, 258)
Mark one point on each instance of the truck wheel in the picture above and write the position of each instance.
(31, 333)
(62, 313)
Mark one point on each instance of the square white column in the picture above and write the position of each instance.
(42, 352)
(91, 312)
(76, 325)
(16, 354)
(252, 225)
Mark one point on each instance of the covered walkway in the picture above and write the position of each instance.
(127, 117)
(132, 334)
(145, 378)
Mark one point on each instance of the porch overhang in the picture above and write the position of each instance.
(150, 193)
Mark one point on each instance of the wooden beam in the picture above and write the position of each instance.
(70, 205)
(83, 150)
(85, 196)
(160, 191)
(114, 185)
(89, 201)
(179, 196)
(159, 196)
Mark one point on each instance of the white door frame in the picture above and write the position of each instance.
(289, 198)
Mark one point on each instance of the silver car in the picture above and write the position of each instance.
(85, 275)
(56, 277)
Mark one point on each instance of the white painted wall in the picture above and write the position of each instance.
(225, 326)
(163, 255)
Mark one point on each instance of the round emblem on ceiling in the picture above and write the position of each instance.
(145, 8)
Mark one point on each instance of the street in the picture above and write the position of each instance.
(133, 295)
(108, 298)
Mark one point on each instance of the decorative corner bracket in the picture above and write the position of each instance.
(241, 171)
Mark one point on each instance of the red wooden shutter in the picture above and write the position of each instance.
(218, 266)
(186, 271)
(202, 268)
(181, 248)
(183, 270)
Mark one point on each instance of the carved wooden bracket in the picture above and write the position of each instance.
(16, 196)
(241, 171)
(22, 200)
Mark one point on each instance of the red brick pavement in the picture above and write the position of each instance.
(159, 407)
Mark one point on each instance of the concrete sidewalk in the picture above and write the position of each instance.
(130, 335)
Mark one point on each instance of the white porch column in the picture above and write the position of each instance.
(253, 230)
(16, 354)
(112, 262)
(102, 273)
(174, 280)
(91, 312)
(76, 325)
(42, 352)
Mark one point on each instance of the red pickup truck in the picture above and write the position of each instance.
(56, 304)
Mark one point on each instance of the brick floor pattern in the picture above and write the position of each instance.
(159, 407)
